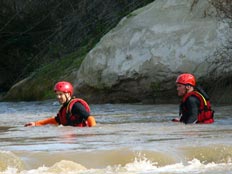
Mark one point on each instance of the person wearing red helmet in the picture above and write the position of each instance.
(195, 106)
(73, 111)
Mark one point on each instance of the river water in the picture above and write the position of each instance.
(128, 139)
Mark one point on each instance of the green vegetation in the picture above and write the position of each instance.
(40, 33)
(58, 70)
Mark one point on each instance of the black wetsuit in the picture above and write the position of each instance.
(190, 114)
(79, 110)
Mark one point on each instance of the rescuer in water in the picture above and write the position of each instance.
(73, 111)
(195, 106)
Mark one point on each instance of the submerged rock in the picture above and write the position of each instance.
(10, 160)
(65, 166)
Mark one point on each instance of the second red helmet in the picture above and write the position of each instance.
(64, 86)
(186, 79)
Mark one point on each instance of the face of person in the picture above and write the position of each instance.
(62, 97)
(181, 89)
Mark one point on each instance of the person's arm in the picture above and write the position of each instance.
(43, 122)
(79, 110)
(192, 105)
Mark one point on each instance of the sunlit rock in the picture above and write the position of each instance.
(140, 58)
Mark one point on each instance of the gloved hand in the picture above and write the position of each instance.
(176, 120)
(30, 124)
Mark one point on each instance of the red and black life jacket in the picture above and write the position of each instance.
(66, 118)
(206, 114)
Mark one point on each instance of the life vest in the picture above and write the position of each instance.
(206, 114)
(67, 119)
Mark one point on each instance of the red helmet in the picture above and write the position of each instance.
(64, 87)
(186, 79)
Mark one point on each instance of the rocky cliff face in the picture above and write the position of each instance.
(140, 58)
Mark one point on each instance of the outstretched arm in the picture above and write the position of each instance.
(51, 120)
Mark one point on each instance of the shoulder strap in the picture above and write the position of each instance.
(203, 101)
(68, 111)
(69, 106)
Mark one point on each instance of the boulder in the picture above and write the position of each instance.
(139, 60)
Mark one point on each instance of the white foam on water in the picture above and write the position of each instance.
(194, 166)
(138, 166)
